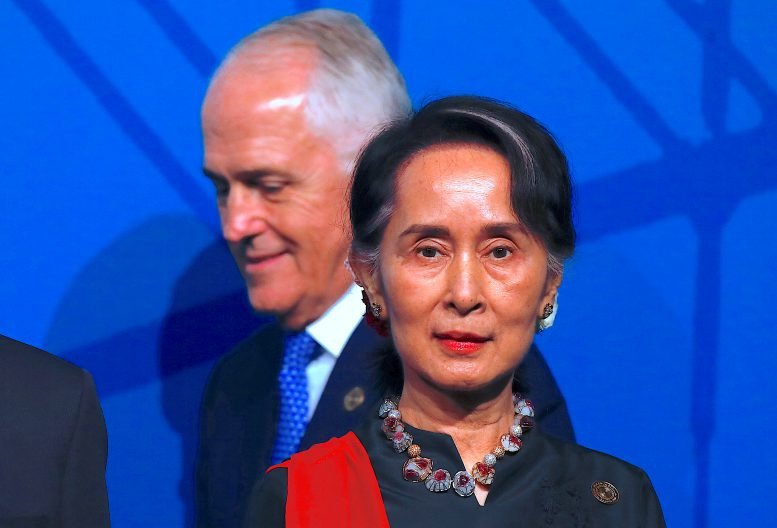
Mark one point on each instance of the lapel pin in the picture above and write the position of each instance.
(353, 399)
(604, 492)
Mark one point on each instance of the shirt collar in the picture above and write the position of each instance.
(333, 329)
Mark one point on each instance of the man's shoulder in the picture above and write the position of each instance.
(253, 355)
(266, 339)
(29, 368)
(39, 392)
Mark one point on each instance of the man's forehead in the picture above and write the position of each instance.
(242, 90)
(278, 72)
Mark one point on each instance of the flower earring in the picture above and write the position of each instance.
(372, 316)
(549, 312)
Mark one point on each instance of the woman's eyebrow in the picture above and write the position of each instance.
(494, 230)
(503, 228)
(425, 230)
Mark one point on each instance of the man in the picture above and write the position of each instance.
(283, 121)
(53, 444)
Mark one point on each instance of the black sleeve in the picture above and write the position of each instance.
(84, 493)
(267, 503)
(653, 515)
(203, 517)
(538, 383)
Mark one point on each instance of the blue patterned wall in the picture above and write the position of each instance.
(665, 344)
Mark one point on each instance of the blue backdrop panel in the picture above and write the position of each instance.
(745, 370)
(607, 348)
(664, 346)
(458, 51)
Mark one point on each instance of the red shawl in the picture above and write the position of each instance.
(333, 485)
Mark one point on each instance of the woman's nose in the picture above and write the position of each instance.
(465, 285)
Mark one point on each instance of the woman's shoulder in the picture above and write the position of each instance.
(319, 453)
(341, 459)
(276, 477)
(583, 460)
(613, 489)
(267, 502)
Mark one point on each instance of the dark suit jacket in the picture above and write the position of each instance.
(240, 413)
(53, 443)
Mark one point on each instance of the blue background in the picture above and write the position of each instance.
(666, 338)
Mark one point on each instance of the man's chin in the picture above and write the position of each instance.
(265, 303)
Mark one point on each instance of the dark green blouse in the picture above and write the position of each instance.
(547, 483)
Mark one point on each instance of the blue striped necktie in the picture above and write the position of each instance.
(298, 350)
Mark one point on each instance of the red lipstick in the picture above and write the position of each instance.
(462, 343)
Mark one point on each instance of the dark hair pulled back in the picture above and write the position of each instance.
(541, 189)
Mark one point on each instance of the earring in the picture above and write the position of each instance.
(372, 316)
(549, 312)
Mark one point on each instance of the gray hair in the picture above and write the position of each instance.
(355, 89)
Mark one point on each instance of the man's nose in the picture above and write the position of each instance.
(243, 215)
(465, 285)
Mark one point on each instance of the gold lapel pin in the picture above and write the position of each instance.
(604, 492)
(353, 399)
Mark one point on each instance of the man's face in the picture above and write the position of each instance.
(280, 189)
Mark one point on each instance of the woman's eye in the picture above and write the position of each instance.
(500, 252)
(428, 252)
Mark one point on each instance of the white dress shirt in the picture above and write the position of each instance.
(332, 331)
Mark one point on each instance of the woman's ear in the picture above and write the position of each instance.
(549, 304)
(551, 291)
(367, 275)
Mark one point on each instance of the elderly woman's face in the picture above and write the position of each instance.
(462, 280)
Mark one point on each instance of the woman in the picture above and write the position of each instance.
(461, 219)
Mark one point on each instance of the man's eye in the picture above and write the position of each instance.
(428, 252)
(221, 188)
(272, 187)
(500, 252)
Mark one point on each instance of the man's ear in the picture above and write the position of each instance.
(367, 275)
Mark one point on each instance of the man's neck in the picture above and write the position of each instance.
(302, 316)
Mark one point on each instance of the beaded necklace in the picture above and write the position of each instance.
(420, 469)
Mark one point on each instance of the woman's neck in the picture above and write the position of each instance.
(474, 422)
